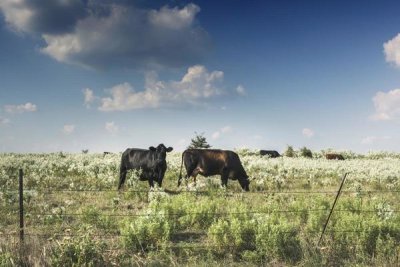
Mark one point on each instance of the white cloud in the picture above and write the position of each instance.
(68, 129)
(28, 107)
(216, 135)
(196, 86)
(102, 35)
(42, 15)
(111, 127)
(135, 38)
(387, 105)
(226, 129)
(220, 132)
(241, 90)
(4, 121)
(308, 132)
(392, 50)
(89, 96)
(16, 14)
(369, 140)
(174, 18)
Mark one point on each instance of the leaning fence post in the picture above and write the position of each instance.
(333, 206)
(21, 206)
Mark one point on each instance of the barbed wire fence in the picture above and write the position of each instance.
(23, 214)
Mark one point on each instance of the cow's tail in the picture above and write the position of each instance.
(180, 173)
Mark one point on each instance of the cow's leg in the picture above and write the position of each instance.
(194, 174)
(224, 178)
(151, 183)
(122, 177)
(161, 174)
(190, 170)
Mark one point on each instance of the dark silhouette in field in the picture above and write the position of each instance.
(270, 153)
(334, 156)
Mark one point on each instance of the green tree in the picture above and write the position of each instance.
(290, 152)
(305, 152)
(199, 141)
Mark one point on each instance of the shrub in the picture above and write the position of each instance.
(81, 250)
(235, 235)
(146, 232)
(279, 241)
(305, 152)
(289, 152)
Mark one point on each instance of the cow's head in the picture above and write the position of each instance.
(245, 183)
(161, 150)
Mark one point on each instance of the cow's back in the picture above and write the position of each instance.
(215, 161)
(334, 156)
(271, 153)
(135, 158)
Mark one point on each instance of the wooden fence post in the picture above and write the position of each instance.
(333, 206)
(21, 206)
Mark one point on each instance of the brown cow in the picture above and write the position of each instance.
(208, 162)
(334, 156)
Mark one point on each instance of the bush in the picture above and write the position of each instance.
(279, 241)
(233, 235)
(81, 250)
(305, 152)
(289, 152)
(146, 233)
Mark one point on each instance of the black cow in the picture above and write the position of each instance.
(270, 153)
(334, 156)
(151, 162)
(208, 162)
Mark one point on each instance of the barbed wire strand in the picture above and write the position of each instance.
(52, 235)
(204, 213)
(202, 191)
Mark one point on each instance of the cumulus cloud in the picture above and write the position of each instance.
(308, 132)
(88, 96)
(241, 90)
(392, 50)
(369, 140)
(221, 132)
(68, 129)
(111, 127)
(43, 16)
(387, 105)
(196, 86)
(95, 35)
(28, 107)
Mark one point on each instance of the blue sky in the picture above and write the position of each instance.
(259, 74)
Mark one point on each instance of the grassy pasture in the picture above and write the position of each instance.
(74, 216)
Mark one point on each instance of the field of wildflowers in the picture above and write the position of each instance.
(75, 216)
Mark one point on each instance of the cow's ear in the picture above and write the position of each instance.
(152, 148)
(169, 149)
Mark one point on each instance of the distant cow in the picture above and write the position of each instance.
(150, 161)
(208, 162)
(270, 153)
(334, 156)
(106, 153)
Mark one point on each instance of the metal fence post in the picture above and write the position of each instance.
(333, 206)
(21, 206)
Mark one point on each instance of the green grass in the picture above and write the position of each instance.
(207, 227)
